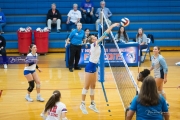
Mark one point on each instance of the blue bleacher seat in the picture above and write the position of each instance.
(158, 17)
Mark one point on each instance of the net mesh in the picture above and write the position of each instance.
(115, 59)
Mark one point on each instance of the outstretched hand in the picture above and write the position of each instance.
(116, 24)
(178, 87)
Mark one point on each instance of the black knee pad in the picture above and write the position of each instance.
(31, 86)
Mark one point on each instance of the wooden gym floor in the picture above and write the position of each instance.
(55, 76)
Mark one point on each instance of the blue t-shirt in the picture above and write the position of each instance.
(87, 5)
(2, 17)
(149, 112)
(76, 37)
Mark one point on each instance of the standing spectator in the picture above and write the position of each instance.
(106, 12)
(87, 9)
(76, 37)
(3, 51)
(121, 35)
(54, 17)
(74, 17)
(148, 105)
(2, 21)
(141, 38)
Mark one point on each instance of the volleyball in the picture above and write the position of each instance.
(39, 29)
(125, 22)
(45, 29)
(28, 29)
(22, 29)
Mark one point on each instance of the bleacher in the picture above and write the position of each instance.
(158, 17)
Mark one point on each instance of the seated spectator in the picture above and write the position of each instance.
(87, 9)
(54, 17)
(3, 51)
(148, 105)
(106, 11)
(121, 35)
(141, 38)
(2, 21)
(74, 17)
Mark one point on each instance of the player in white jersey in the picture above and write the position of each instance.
(90, 70)
(160, 70)
(31, 75)
(54, 109)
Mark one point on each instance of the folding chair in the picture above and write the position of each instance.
(147, 50)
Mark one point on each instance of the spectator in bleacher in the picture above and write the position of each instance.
(141, 38)
(3, 51)
(106, 12)
(75, 39)
(87, 9)
(121, 35)
(148, 105)
(74, 17)
(2, 21)
(54, 17)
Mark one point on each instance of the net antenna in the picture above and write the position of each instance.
(125, 65)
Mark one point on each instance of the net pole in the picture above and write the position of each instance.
(101, 62)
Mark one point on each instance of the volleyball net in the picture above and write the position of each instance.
(126, 85)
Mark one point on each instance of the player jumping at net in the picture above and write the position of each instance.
(160, 71)
(31, 75)
(90, 69)
(54, 109)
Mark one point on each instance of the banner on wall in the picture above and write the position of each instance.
(112, 55)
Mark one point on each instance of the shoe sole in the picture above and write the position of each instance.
(82, 111)
(40, 100)
(94, 110)
(28, 100)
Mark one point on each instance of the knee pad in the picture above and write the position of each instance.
(38, 85)
(91, 91)
(31, 86)
(161, 92)
(84, 91)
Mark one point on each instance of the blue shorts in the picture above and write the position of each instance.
(90, 67)
(162, 74)
(28, 72)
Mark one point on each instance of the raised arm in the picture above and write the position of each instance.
(106, 33)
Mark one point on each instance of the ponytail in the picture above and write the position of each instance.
(52, 100)
(30, 47)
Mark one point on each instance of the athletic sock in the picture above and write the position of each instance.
(83, 102)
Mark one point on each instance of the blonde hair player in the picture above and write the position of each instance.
(31, 75)
(54, 109)
(90, 69)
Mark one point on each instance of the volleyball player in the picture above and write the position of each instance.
(143, 74)
(31, 75)
(90, 69)
(160, 70)
(54, 109)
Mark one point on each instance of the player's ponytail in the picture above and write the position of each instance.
(52, 100)
(30, 47)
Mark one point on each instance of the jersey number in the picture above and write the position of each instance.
(53, 109)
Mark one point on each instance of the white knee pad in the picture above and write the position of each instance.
(84, 91)
(65, 118)
(38, 85)
(91, 91)
(161, 92)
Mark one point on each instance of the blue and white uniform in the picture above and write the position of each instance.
(32, 65)
(160, 67)
(95, 52)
